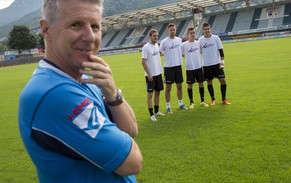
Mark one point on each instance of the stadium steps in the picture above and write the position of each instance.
(211, 20)
(183, 33)
(103, 35)
(257, 15)
(220, 23)
(243, 21)
(154, 26)
(264, 23)
(112, 38)
(231, 22)
(287, 19)
(144, 33)
(278, 21)
(161, 32)
(180, 27)
(199, 31)
(127, 35)
(106, 38)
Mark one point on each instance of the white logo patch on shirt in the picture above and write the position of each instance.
(90, 120)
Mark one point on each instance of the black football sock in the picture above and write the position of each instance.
(151, 111)
(211, 91)
(201, 91)
(223, 91)
(156, 108)
(190, 94)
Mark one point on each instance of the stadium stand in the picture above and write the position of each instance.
(187, 24)
(106, 37)
(146, 36)
(111, 39)
(126, 36)
(243, 20)
(163, 32)
(277, 21)
(287, 18)
(180, 27)
(119, 37)
(137, 35)
(230, 19)
(130, 36)
(263, 23)
(220, 23)
(211, 19)
(103, 35)
(144, 33)
(256, 16)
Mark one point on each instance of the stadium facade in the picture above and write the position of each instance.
(230, 19)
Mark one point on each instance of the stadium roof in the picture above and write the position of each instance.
(175, 11)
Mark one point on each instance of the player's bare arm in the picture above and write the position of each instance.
(146, 68)
(133, 162)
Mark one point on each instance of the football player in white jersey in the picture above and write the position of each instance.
(151, 62)
(194, 72)
(171, 48)
(213, 62)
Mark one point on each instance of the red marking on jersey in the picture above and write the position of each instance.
(77, 109)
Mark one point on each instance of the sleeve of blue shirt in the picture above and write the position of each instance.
(76, 117)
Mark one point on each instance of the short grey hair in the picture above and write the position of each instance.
(50, 9)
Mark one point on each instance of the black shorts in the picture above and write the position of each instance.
(195, 75)
(173, 75)
(213, 71)
(156, 84)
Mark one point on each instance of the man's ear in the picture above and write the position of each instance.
(44, 27)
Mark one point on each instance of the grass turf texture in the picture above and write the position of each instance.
(248, 141)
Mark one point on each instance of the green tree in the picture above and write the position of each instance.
(20, 38)
(3, 47)
(40, 41)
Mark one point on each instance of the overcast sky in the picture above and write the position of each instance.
(5, 3)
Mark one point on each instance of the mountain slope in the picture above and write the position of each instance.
(113, 7)
(18, 9)
(31, 20)
(29, 11)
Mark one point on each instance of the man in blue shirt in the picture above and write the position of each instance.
(73, 120)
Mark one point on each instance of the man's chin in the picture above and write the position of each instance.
(81, 57)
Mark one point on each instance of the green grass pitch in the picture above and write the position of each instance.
(248, 141)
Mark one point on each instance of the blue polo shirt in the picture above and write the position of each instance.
(67, 132)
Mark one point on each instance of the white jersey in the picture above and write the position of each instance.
(151, 53)
(191, 52)
(172, 51)
(209, 47)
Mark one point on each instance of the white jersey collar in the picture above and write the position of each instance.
(44, 64)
